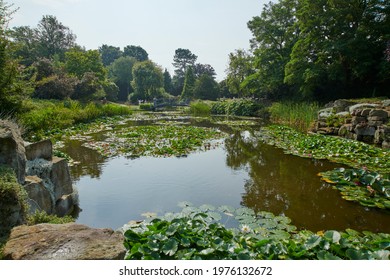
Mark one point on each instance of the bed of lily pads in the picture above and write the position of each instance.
(152, 140)
(349, 152)
(370, 189)
(367, 182)
(200, 234)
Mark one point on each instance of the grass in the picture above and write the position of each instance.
(200, 108)
(297, 115)
(41, 116)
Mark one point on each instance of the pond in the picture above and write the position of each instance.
(238, 170)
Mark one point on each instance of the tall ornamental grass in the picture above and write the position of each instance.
(297, 115)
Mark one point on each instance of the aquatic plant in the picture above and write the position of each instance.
(198, 234)
(297, 115)
(370, 189)
(163, 140)
(350, 152)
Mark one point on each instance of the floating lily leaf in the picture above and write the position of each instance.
(333, 236)
(170, 247)
(381, 255)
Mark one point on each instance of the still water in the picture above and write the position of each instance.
(241, 171)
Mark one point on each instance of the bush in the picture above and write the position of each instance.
(239, 107)
(146, 106)
(41, 217)
(11, 194)
(200, 108)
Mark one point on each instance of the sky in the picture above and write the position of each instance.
(210, 29)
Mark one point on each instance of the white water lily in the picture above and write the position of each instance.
(245, 229)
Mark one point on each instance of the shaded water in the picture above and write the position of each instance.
(240, 172)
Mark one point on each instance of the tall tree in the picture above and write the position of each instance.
(200, 69)
(121, 72)
(147, 80)
(78, 62)
(109, 54)
(189, 84)
(136, 51)
(26, 44)
(206, 88)
(168, 86)
(239, 68)
(340, 48)
(274, 34)
(182, 60)
(53, 37)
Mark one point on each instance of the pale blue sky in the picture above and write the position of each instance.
(211, 29)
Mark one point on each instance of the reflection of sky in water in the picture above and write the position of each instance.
(128, 188)
(241, 172)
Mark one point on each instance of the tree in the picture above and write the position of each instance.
(147, 80)
(135, 51)
(274, 34)
(26, 44)
(239, 68)
(53, 37)
(182, 60)
(189, 84)
(340, 48)
(11, 94)
(168, 86)
(206, 88)
(78, 62)
(121, 72)
(201, 69)
(109, 54)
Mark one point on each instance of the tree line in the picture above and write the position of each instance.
(315, 49)
(46, 62)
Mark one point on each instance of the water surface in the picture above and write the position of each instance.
(240, 172)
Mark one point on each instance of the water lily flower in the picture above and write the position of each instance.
(245, 229)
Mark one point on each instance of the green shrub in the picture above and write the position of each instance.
(146, 106)
(41, 217)
(11, 193)
(239, 107)
(200, 108)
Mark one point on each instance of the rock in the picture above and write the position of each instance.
(386, 103)
(383, 115)
(386, 145)
(64, 242)
(325, 113)
(65, 205)
(358, 120)
(40, 197)
(42, 149)
(361, 106)
(363, 130)
(346, 131)
(375, 123)
(343, 114)
(12, 151)
(365, 112)
(342, 105)
(60, 177)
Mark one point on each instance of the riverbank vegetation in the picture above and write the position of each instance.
(199, 234)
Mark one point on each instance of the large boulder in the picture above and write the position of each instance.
(39, 197)
(42, 149)
(12, 151)
(64, 242)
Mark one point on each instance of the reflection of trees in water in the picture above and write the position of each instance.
(90, 161)
(287, 184)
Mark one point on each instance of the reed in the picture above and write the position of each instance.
(297, 115)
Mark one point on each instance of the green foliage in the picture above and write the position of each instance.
(370, 189)
(162, 140)
(109, 54)
(11, 194)
(335, 121)
(41, 217)
(79, 62)
(121, 72)
(43, 116)
(146, 106)
(238, 107)
(297, 115)
(206, 88)
(189, 84)
(353, 153)
(197, 234)
(147, 80)
(200, 108)
(137, 52)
